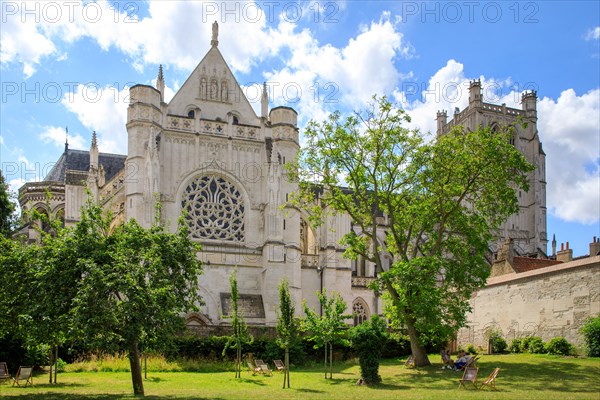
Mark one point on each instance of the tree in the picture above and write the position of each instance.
(328, 328)
(17, 263)
(441, 201)
(131, 284)
(368, 339)
(287, 327)
(7, 208)
(239, 328)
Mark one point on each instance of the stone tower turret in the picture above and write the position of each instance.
(442, 120)
(143, 117)
(529, 104)
(475, 97)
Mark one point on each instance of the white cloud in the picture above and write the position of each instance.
(100, 109)
(56, 136)
(319, 77)
(103, 110)
(593, 34)
(178, 32)
(569, 129)
(447, 90)
(22, 42)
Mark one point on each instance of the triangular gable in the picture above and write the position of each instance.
(213, 89)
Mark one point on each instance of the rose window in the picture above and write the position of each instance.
(214, 208)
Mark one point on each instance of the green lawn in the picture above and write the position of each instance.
(521, 377)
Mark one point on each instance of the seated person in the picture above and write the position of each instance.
(463, 360)
(446, 360)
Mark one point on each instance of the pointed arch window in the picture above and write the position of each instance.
(360, 311)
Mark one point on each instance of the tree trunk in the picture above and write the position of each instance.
(55, 362)
(238, 364)
(51, 363)
(331, 361)
(136, 369)
(326, 348)
(286, 368)
(417, 350)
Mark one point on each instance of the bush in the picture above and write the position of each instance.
(559, 346)
(498, 345)
(471, 349)
(535, 345)
(494, 335)
(515, 346)
(525, 344)
(591, 335)
(60, 364)
(368, 339)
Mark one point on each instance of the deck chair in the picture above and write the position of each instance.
(24, 374)
(258, 362)
(4, 375)
(491, 380)
(265, 370)
(469, 376)
(471, 363)
(410, 362)
(252, 368)
(279, 365)
(446, 360)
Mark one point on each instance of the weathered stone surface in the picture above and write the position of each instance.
(549, 302)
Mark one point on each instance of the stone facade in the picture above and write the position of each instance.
(528, 227)
(548, 302)
(208, 153)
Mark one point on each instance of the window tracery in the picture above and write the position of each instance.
(360, 312)
(214, 209)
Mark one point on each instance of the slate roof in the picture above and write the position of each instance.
(79, 160)
(524, 264)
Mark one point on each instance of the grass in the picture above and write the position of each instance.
(522, 376)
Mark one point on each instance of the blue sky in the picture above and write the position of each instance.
(69, 64)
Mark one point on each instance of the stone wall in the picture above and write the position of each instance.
(547, 302)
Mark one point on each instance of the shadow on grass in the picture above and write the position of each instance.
(387, 386)
(309, 391)
(253, 381)
(70, 396)
(546, 374)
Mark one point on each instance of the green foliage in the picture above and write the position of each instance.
(498, 342)
(591, 335)
(287, 324)
(532, 344)
(7, 209)
(515, 346)
(287, 327)
(60, 364)
(106, 287)
(329, 328)
(368, 339)
(442, 199)
(499, 345)
(18, 266)
(559, 346)
(471, 349)
(37, 355)
(240, 333)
